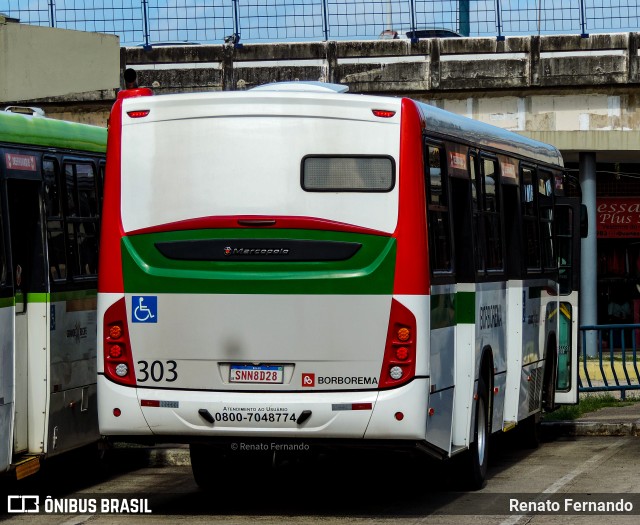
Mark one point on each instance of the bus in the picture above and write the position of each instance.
(297, 266)
(51, 174)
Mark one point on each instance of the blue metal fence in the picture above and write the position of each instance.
(213, 21)
(613, 364)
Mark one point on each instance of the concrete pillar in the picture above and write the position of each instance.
(589, 253)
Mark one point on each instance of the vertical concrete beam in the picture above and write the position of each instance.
(589, 252)
(228, 76)
(331, 60)
(534, 60)
(434, 64)
(632, 58)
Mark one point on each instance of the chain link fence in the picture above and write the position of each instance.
(153, 22)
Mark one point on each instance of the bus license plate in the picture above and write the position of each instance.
(256, 374)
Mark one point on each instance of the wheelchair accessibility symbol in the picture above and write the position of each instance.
(145, 309)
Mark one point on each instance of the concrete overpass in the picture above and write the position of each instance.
(580, 94)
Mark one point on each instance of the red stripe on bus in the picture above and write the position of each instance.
(110, 275)
(412, 268)
(259, 221)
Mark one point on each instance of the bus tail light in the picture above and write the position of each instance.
(118, 361)
(399, 364)
(383, 113)
(138, 113)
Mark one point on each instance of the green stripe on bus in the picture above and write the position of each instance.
(6, 302)
(38, 131)
(74, 294)
(37, 297)
(369, 271)
(466, 307)
(43, 297)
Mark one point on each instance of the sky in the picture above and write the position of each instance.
(210, 21)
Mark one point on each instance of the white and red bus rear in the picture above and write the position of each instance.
(298, 265)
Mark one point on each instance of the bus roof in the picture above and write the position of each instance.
(35, 130)
(477, 132)
(319, 99)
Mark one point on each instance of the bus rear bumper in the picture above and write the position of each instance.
(390, 414)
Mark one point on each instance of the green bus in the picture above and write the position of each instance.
(51, 174)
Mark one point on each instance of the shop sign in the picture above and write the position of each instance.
(618, 217)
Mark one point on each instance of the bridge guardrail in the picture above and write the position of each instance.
(614, 364)
(150, 22)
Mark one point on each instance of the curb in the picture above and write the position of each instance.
(590, 428)
(175, 457)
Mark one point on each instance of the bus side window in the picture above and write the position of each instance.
(82, 217)
(530, 224)
(438, 223)
(4, 289)
(3, 253)
(478, 227)
(55, 224)
(492, 214)
(545, 207)
(564, 240)
(462, 215)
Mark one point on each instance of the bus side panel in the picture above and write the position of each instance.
(517, 337)
(73, 418)
(21, 382)
(441, 365)
(567, 386)
(465, 379)
(6, 384)
(532, 377)
(491, 322)
(37, 374)
(527, 333)
(499, 395)
(533, 341)
(73, 332)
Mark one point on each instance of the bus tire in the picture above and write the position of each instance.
(204, 465)
(479, 449)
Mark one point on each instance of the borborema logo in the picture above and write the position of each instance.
(308, 379)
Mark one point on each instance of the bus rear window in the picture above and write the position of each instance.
(343, 173)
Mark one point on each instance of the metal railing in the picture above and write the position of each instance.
(148, 22)
(614, 364)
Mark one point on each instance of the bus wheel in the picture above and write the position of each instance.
(204, 465)
(479, 449)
